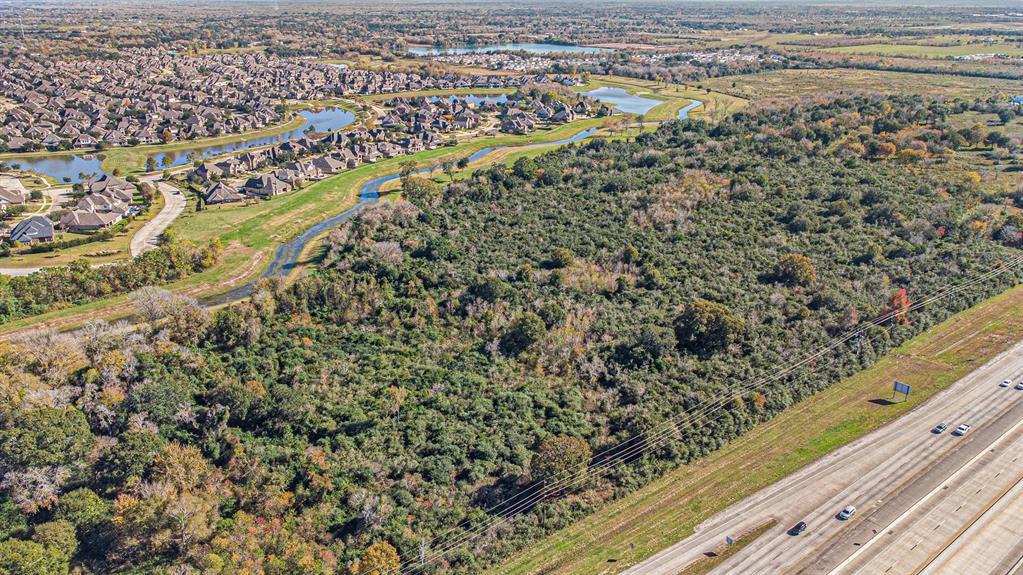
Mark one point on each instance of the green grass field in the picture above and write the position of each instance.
(668, 509)
(802, 83)
(930, 51)
(707, 564)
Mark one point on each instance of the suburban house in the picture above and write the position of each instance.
(266, 186)
(113, 185)
(32, 230)
(221, 193)
(82, 221)
(107, 200)
(12, 191)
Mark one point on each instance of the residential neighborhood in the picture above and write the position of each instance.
(149, 96)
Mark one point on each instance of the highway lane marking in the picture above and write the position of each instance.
(977, 516)
(975, 407)
(986, 400)
(956, 396)
(941, 487)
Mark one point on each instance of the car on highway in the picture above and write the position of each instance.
(847, 513)
(1019, 386)
(1005, 383)
(962, 430)
(798, 528)
(939, 428)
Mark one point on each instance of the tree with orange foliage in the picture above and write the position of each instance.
(379, 558)
(899, 305)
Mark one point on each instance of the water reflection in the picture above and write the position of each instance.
(73, 167)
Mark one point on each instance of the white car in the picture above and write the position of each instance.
(1005, 383)
(1019, 386)
(847, 513)
(962, 430)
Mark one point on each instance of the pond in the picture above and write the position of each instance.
(71, 166)
(533, 48)
(623, 100)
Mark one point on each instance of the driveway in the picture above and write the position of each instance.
(147, 238)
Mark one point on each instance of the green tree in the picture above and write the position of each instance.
(524, 168)
(131, 457)
(705, 327)
(523, 333)
(46, 436)
(83, 509)
(380, 558)
(57, 535)
(796, 269)
(423, 192)
(19, 557)
(559, 457)
(561, 258)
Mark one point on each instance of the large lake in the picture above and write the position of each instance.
(74, 166)
(623, 100)
(533, 48)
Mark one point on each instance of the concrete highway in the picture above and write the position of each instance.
(927, 503)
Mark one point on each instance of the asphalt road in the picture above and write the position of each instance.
(927, 503)
(148, 236)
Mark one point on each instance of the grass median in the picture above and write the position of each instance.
(668, 509)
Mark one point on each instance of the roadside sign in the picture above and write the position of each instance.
(902, 388)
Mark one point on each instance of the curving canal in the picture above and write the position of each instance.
(287, 254)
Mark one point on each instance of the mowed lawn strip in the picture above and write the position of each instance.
(668, 509)
(721, 554)
(716, 105)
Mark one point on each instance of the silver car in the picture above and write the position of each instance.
(847, 513)
(962, 430)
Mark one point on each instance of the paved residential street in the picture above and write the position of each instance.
(147, 237)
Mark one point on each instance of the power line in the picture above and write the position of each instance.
(634, 447)
(673, 426)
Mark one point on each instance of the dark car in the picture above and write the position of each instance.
(939, 428)
(798, 528)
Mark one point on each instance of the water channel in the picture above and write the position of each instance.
(70, 167)
(287, 254)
